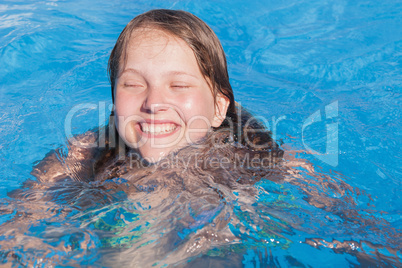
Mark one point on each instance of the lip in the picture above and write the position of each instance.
(157, 122)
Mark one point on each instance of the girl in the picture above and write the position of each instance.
(170, 88)
(183, 152)
(175, 131)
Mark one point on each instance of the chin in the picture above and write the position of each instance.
(154, 156)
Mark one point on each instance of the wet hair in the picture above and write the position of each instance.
(199, 37)
(211, 61)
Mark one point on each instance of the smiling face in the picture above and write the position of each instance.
(162, 100)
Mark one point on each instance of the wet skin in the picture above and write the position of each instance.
(162, 100)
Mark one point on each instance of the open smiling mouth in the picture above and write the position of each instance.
(159, 130)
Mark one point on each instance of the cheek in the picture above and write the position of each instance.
(124, 104)
(197, 106)
(125, 111)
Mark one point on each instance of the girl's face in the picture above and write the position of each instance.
(162, 100)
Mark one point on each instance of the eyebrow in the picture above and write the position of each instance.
(178, 73)
(130, 70)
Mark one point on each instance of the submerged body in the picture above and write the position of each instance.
(190, 190)
(192, 208)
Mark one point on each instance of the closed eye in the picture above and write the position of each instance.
(133, 85)
(180, 86)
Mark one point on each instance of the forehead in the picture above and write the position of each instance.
(148, 34)
(149, 47)
(151, 38)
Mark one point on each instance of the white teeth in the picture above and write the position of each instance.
(158, 128)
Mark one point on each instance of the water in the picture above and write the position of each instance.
(287, 60)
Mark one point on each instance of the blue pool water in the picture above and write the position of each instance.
(327, 76)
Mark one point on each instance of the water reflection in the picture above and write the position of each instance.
(190, 212)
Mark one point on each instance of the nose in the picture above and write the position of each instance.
(154, 101)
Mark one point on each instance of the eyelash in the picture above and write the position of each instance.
(172, 86)
(180, 86)
(131, 85)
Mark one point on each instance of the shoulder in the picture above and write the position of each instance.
(76, 162)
